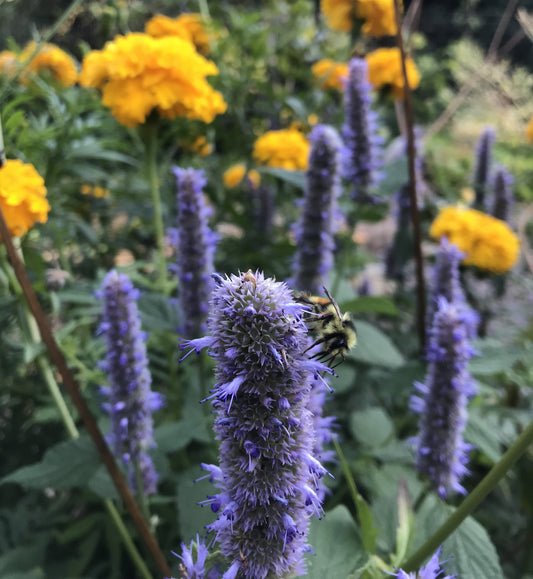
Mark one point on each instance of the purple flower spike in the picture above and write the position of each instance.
(131, 401)
(188, 568)
(316, 226)
(431, 571)
(482, 167)
(268, 475)
(446, 283)
(441, 400)
(362, 145)
(503, 194)
(195, 246)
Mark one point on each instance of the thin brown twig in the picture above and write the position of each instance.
(415, 217)
(72, 387)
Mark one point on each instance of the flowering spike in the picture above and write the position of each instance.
(431, 571)
(482, 167)
(266, 434)
(314, 230)
(131, 401)
(503, 194)
(360, 155)
(195, 246)
(441, 400)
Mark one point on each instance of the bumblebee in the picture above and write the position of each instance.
(333, 330)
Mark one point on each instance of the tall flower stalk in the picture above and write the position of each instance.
(361, 151)
(441, 400)
(503, 194)
(130, 399)
(195, 246)
(482, 167)
(316, 225)
(267, 475)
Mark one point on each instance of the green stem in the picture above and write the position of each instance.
(66, 416)
(150, 143)
(204, 9)
(498, 471)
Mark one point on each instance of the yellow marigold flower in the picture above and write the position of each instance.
(8, 62)
(187, 26)
(312, 119)
(52, 59)
(201, 147)
(339, 13)
(22, 196)
(254, 178)
(385, 69)
(487, 242)
(331, 74)
(234, 175)
(286, 149)
(95, 191)
(379, 16)
(529, 131)
(139, 74)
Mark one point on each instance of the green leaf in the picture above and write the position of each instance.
(102, 484)
(375, 348)
(337, 545)
(372, 427)
(483, 431)
(346, 379)
(65, 465)
(494, 357)
(294, 177)
(370, 304)
(396, 176)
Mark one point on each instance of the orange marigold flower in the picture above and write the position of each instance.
(234, 175)
(8, 62)
(385, 69)
(285, 149)
(339, 13)
(529, 131)
(487, 242)
(138, 74)
(22, 196)
(379, 16)
(331, 74)
(51, 59)
(187, 26)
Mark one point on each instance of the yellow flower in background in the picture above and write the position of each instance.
(187, 26)
(339, 13)
(22, 196)
(312, 119)
(51, 59)
(529, 131)
(385, 69)
(8, 62)
(331, 74)
(138, 74)
(488, 242)
(379, 17)
(285, 149)
(234, 176)
(254, 178)
(95, 191)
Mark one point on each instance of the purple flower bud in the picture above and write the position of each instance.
(195, 246)
(267, 476)
(503, 194)
(362, 145)
(431, 571)
(482, 167)
(441, 400)
(131, 401)
(316, 225)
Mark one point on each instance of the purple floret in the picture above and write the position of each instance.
(431, 571)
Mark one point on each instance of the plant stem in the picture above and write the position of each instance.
(150, 144)
(497, 472)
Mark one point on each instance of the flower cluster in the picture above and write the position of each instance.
(502, 187)
(268, 474)
(441, 400)
(197, 146)
(361, 151)
(131, 401)
(234, 176)
(379, 17)
(195, 246)
(95, 191)
(315, 228)
(187, 26)
(431, 571)
(385, 70)
(330, 74)
(487, 242)
(22, 196)
(188, 568)
(8, 62)
(339, 13)
(138, 74)
(482, 169)
(285, 149)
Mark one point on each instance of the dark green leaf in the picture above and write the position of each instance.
(375, 348)
(370, 304)
(294, 177)
(372, 427)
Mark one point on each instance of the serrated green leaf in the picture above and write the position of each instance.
(102, 484)
(192, 518)
(337, 545)
(375, 348)
(372, 427)
(484, 433)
